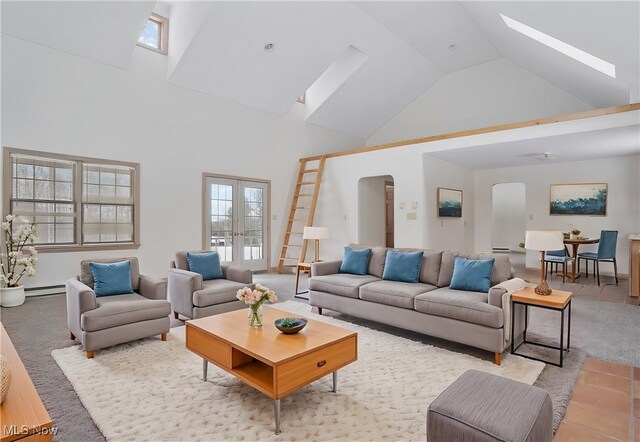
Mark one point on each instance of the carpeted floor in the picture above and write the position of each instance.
(601, 329)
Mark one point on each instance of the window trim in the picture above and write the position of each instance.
(164, 34)
(77, 200)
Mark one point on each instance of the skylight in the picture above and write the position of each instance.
(154, 34)
(560, 46)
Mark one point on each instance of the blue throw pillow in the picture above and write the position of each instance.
(402, 266)
(207, 264)
(112, 278)
(473, 275)
(355, 261)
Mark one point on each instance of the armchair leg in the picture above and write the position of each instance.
(163, 336)
(597, 264)
(72, 336)
(91, 354)
(175, 315)
(497, 358)
(320, 310)
(615, 270)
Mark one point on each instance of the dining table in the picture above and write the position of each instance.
(575, 243)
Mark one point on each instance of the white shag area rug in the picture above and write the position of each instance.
(153, 390)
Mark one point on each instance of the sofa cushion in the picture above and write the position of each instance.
(501, 266)
(355, 261)
(376, 259)
(457, 304)
(119, 310)
(398, 294)
(207, 264)
(473, 275)
(402, 266)
(86, 277)
(341, 284)
(112, 278)
(217, 291)
(430, 268)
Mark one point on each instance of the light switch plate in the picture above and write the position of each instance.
(411, 215)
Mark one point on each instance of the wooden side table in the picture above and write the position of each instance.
(302, 267)
(558, 301)
(22, 414)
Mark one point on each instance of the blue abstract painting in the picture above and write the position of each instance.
(449, 203)
(578, 199)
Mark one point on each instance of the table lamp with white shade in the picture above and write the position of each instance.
(543, 241)
(315, 233)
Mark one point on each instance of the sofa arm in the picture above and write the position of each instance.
(80, 298)
(153, 288)
(237, 274)
(495, 296)
(322, 268)
(180, 287)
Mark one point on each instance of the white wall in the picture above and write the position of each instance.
(508, 215)
(448, 233)
(484, 95)
(623, 203)
(55, 102)
(372, 210)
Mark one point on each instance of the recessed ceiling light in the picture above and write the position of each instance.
(452, 47)
(560, 46)
(269, 47)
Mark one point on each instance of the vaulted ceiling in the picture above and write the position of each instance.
(378, 56)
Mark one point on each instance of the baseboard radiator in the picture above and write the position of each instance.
(44, 290)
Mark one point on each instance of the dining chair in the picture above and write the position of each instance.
(606, 253)
(555, 257)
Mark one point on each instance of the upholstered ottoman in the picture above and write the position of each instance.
(484, 407)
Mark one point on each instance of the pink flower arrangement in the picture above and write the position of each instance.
(257, 296)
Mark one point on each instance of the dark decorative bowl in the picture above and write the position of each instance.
(290, 326)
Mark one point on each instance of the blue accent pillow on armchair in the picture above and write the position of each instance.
(473, 275)
(207, 264)
(402, 266)
(355, 261)
(112, 278)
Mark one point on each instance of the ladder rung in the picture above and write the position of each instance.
(310, 170)
(303, 207)
(304, 183)
(291, 245)
(287, 257)
(294, 233)
(304, 194)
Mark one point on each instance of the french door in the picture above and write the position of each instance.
(236, 217)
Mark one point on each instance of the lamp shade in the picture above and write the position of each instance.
(543, 240)
(315, 233)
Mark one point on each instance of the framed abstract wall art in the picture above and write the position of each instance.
(578, 199)
(449, 203)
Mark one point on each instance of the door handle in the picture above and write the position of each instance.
(322, 363)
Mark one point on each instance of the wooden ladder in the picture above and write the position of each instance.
(303, 209)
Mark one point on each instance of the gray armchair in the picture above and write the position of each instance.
(192, 297)
(99, 322)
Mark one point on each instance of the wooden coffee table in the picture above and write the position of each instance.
(268, 360)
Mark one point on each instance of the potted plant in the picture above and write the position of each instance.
(575, 234)
(18, 259)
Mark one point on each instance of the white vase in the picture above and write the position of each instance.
(12, 296)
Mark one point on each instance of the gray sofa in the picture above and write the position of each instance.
(428, 306)
(194, 298)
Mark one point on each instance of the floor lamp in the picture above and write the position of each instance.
(315, 233)
(543, 241)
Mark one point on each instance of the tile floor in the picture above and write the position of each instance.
(605, 405)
